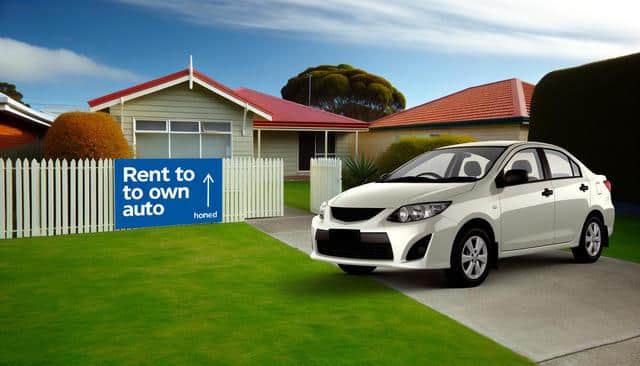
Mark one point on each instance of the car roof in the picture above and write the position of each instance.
(498, 143)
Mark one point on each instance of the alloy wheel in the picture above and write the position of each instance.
(474, 257)
(593, 239)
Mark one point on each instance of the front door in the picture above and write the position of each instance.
(306, 150)
(311, 145)
(527, 214)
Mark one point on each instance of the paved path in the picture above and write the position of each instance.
(545, 306)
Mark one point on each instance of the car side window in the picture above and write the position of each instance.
(559, 164)
(528, 160)
(576, 169)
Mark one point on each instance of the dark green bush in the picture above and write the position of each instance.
(358, 171)
(592, 111)
(408, 148)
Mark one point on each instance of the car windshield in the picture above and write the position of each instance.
(459, 164)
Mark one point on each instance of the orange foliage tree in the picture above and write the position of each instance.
(85, 135)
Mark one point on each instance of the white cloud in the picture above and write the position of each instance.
(24, 62)
(571, 29)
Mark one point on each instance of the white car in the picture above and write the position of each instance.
(463, 207)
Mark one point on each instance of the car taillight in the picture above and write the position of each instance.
(608, 185)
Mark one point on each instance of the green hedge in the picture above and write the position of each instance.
(593, 111)
(408, 148)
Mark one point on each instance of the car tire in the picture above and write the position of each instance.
(470, 258)
(356, 270)
(591, 241)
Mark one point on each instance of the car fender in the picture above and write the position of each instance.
(484, 208)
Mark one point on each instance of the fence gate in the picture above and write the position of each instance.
(325, 181)
(252, 188)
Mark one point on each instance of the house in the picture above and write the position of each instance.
(189, 115)
(494, 111)
(19, 124)
(299, 133)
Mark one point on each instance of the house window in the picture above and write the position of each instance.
(182, 139)
(216, 139)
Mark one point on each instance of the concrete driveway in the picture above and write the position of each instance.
(544, 306)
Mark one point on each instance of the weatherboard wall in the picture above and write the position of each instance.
(181, 103)
(345, 145)
(279, 144)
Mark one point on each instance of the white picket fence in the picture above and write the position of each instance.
(325, 181)
(46, 197)
(252, 188)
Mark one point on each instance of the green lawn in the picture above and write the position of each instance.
(296, 194)
(211, 294)
(625, 242)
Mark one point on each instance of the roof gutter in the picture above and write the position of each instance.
(311, 129)
(17, 108)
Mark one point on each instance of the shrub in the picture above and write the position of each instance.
(81, 135)
(358, 171)
(408, 148)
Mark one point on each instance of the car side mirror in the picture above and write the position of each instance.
(512, 177)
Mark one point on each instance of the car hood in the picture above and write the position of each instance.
(391, 195)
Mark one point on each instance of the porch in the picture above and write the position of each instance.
(298, 147)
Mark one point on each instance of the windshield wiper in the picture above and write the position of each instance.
(410, 178)
(458, 179)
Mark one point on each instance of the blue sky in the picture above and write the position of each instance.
(60, 56)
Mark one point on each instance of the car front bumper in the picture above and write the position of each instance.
(438, 230)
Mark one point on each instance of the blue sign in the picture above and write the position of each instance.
(160, 192)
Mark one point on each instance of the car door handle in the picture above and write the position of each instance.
(584, 187)
(547, 192)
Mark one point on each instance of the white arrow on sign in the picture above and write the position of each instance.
(208, 180)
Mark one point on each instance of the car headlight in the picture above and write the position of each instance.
(322, 209)
(419, 211)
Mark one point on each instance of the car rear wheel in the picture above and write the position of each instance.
(470, 258)
(356, 270)
(591, 241)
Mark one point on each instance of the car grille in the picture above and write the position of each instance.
(354, 214)
(353, 244)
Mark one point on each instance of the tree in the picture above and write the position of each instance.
(85, 135)
(345, 90)
(10, 90)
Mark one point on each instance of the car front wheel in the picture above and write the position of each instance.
(356, 270)
(591, 240)
(470, 259)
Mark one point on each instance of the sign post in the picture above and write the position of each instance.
(161, 192)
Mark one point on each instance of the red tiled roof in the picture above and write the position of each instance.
(528, 94)
(162, 80)
(288, 114)
(498, 100)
